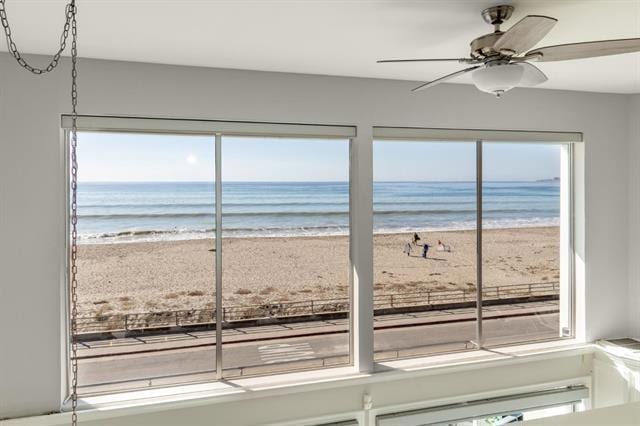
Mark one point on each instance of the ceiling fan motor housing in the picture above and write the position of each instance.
(482, 47)
(496, 15)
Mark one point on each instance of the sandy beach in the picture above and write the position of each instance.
(173, 275)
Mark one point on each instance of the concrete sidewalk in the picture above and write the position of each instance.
(175, 365)
(188, 340)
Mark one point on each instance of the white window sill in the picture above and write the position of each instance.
(506, 354)
(215, 392)
(159, 399)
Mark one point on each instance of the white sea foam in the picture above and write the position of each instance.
(187, 234)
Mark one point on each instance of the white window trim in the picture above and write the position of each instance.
(216, 129)
(94, 123)
(361, 217)
(473, 135)
(144, 401)
(567, 140)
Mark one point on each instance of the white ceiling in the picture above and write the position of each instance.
(332, 37)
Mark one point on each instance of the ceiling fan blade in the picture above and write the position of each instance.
(445, 78)
(532, 76)
(461, 60)
(525, 34)
(589, 49)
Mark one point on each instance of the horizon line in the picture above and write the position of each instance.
(552, 179)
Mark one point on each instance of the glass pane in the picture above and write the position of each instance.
(424, 196)
(285, 254)
(516, 417)
(521, 242)
(146, 268)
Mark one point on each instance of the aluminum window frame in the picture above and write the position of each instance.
(129, 124)
(474, 135)
(568, 143)
(216, 129)
(353, 342)
(479, 137)
(360, 175)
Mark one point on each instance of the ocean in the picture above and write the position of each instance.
(152, 211)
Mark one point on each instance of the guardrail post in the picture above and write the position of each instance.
(391, 300)
(312, 307)
(428, 297)
(224, 314)
(126, 322)
(177, 319)
(529, 289)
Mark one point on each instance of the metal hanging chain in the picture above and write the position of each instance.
(74, 218)
(69, 25)
(70, 14)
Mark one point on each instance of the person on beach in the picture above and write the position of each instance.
(407, 249)
(425, 249)
(443, 247)
(416, 238)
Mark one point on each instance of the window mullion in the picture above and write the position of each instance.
(218, 210)
(479, 334)
(361, 171)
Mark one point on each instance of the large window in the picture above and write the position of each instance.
(221, 250)
(471, 245)
(205, 257)
(521, 247)
(285, 254)
(424, 198)
(146, 222)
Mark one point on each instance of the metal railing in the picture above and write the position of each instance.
(441, 297)
(319, 307)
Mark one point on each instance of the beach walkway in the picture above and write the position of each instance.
(141, 362)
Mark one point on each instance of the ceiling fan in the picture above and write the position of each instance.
(498, 58)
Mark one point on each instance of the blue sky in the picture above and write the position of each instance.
(456, 161)
(136, 157)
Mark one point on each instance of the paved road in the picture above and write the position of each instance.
(121, 369)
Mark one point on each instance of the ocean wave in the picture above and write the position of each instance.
(211, 206)
(196, 215)
(205, 205)
(470, 226)
(146, 232)
(302, 231)
(146, 215)
(146, 205)
(188, 234)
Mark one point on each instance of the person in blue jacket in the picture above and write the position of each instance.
(425, 249)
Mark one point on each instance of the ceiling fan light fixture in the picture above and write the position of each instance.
(498, 79)
(500, 60)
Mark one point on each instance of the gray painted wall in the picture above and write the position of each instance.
(31, 176)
